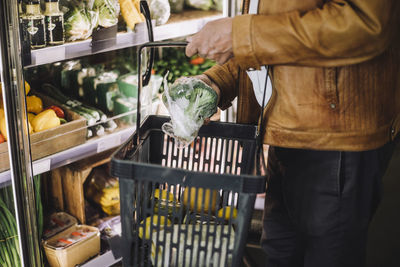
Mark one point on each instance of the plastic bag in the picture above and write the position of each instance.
(79, 23)
(160, 11)
(108, 11)
(189, 101)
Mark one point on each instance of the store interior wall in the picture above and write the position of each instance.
(384, 234)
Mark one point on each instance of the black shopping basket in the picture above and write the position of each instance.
(191, 206)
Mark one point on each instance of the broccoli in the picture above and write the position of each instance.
(189, 101)
(197, 98)
(203, 101)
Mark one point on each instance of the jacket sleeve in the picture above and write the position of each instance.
(226, 78)
(338, 33)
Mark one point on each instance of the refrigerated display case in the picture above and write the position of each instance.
(20, 157)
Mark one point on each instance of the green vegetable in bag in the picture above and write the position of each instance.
(160, 11)
(189, 101)
(108, 11)
(79, 23)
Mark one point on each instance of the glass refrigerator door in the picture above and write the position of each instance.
(74, 69)
(20, 198)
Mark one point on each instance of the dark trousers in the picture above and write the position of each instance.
(319, 204)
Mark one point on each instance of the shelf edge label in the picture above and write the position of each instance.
(42, 166)
(108, 143)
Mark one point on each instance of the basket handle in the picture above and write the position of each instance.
(144, 8)
(141, 79)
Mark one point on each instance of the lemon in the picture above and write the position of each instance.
(201, 204)
(165, 195)
(165, 200)
(147, 224)
(228, 211)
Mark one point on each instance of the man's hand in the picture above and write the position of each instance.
(213, 41)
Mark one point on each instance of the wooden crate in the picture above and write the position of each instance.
(51, 141)
(64, 185)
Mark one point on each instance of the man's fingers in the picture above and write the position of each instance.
(191, 50)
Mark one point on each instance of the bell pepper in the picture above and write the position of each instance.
(30, 127)
(59, 112)
(34, 104)
(3, 129)
(197, 61)
(45, 120)
(31, 116)
(2, 139)
(27, 88)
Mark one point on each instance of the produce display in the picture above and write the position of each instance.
(79, 21)
(40, 118)
(114, 91)
(9, 247)
(189, 102)
(45, 120)
(96, 93)
(175, 62)
(104, 191)
(130, 11)
(96, 119)
(108, 11)
(73, 20)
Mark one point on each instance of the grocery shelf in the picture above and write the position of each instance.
(91, 147)
(179, 25)
(187, 23)
(104, 260)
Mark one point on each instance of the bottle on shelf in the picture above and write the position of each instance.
(33, 23)
(25, 38)
(54, 20)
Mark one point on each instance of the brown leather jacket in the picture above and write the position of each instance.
(336, 72)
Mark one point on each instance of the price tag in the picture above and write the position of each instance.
(41, 166)
(42, 56)
(108, 143)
